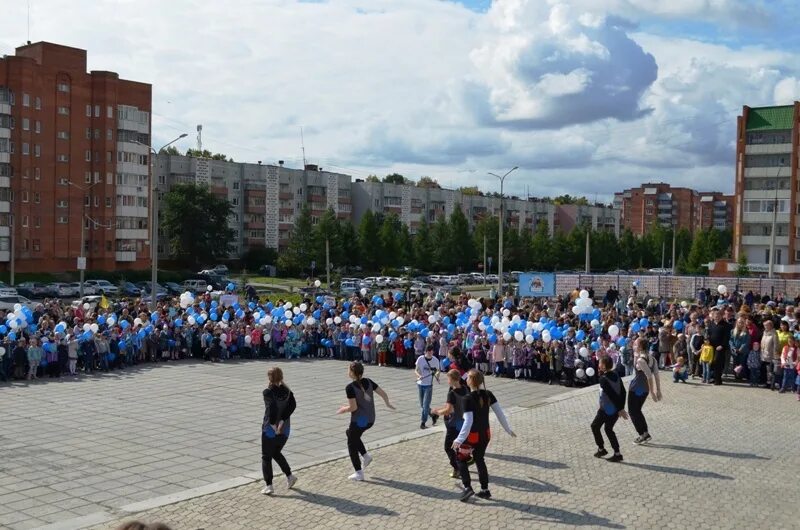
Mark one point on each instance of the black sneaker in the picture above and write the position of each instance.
(422, 426)
(615, 458)
(600, 453)
(639, 440)
(435, 418)
(466, 494)
(484, 494)
(646, 437)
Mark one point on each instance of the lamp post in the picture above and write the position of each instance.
(84, 217)
(154, 223)
(500, 245)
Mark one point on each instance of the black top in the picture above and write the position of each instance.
(612, 390)
(362, 391)
(719, 334)
(455, 397)
(479, 402)
(279, 404)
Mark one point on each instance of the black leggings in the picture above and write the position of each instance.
(478, 452)
(635, 404)
(600, 420)
(271, 450)
(354, 444)
(449, 437)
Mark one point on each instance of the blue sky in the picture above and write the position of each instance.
(588, 97)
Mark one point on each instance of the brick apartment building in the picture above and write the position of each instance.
(72, 153)
(651, 203)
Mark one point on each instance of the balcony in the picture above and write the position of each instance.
(5, 158)
(5, 182)
(5, 133)
(5, 255)
(5, 206)
(5, 108)
(132, 233)
(780, 241)
(768, 149)
(767, 172)
(126, 255)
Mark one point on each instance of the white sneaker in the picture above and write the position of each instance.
(291, 480)
(366, 460)
(268, 490)
(357, 476)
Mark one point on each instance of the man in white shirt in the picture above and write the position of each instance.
(426, 369)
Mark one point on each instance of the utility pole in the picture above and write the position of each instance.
(663, 252)
(11, 256)
(674, 238)
(588, 267)
(500, 249)
(328, 261)
(484, 257)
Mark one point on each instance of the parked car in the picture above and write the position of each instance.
(64, 290)
(103, 287)
(349, 288)
(173, 288)
(35, 290)
(92, 300)
(144, 287)
(222, 270)
(8, 301)
(129, 289)
(88, 290)
(194, 286)
(6, 289)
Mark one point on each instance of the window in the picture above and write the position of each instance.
(87, 177)
(109, 156)
(26, 148)
(62, 135)
(24, 196)
(88, 133)
(96, 201)
(62, 203)
(37, 172)
(236, 185)
(37, 198)
(96, 177)
(88, 111)
(109, 134)
(97, 111)
(37, 150)
(37, 103)
(235, 201)
(37, 222)
(26, 124)
(63, 87)
(62, 220)
(109, 112)
(37, 127)
(25, 173)
(109, 177)
(87, 201)
(108, 202)
(25, 221)
(64, 111)
(36, 245)
(63, 181)
(26, 100)
(88, 156)
(63, 158)
(24, 244)
(97, 134)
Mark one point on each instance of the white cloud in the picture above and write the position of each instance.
(787, 91)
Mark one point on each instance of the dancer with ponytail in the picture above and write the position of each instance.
(361, 406)
(475, 434)
(453, 412)
(279, 404)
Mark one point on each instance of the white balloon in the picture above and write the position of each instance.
(317, 283)
(337, 320)
(263, 321)
(482, 326)
(519, 336)
(431, 319)
(13, 324)
(268, 319)
(287, 306)
(506, 312)
(311, 321)
(248, 339)
(594, 323)
(577, 309)
(267, 337)
(584, 293)
(583, 302)
(2, 350)
(579, 373)
(363, 291)
(546, 337)
(722, 289)
(296, 310)
(95, 328)
(223, 337)
(515, 319)
(376, 328)
(192, 320)
(584, 352)
(328, 321)
(17, 307)
(87, 327)
(379, 339)
(613, 330)
(86, 306)
(529, 339)
(392, 315)
(303, 308)
(209, 288)
(506, 336)
(288, 323)
(590, 372)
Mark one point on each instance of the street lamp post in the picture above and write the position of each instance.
(500, 245)
(154, 213)
(82, 257)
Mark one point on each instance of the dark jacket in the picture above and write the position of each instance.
(279, 404)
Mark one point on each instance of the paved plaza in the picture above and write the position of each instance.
(76, 451)
(721, 457)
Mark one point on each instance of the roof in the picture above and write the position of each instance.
(770, 118)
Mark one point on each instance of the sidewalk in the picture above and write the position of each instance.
(721, 457)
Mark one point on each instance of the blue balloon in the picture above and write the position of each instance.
(12, 336)
(678, 325)
(364, 320)
(492, 339)
(101, 320)
(392, 336)
(366, 340)
(124, 324)
(635, 327)
(445, 365)
(213, 316)
(644, 322)
(398, 297)
(316, 314)
(349, 342)
(580, 335)
(178, 322)
(425, 332)
(451, 328)
(446, 320)
(407, 343)
(231, 286)
(595, 346)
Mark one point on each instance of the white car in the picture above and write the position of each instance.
(65, 290)
(7, 290)
(102, 287)
(7, 302)
(91, 300)
(87, 289)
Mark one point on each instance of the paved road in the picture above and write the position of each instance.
(721, 457)
(72, 448)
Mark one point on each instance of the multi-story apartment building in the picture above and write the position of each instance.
(74, 163)
(265, 198)
(767, 185)
(715, 210)
(412, 204)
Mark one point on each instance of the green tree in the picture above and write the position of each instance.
(372, 178)
(369, 241)
(196, 224)
(350, 251)
(742, 268)
(628, 250)
(470, 190)
(300, 252)
(328, 228)
(542, 248)
(258, 255)
(487, 227)
(395, 178)
(569, 199)
(205, 153)
(171, 150)
(405, 244)
(460, 245)
(389, 242)
(423, 247)
(699, 253)
(440, 238)
(427, 182)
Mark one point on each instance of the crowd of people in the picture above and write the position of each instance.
(553, 341)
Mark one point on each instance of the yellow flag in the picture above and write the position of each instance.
(103, 302)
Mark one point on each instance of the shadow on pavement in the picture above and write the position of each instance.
(678, 471)
(528, 461)
(547, 514)
(428, 492)
(533, 485)
(342, 504)
(710, 452)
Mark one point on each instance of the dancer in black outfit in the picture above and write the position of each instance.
(453, 411)
(476, 434)
(612, 406)
(361, 406)
(279, 404)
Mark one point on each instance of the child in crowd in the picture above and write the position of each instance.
(754, 363)
(680, 372)
(788, 363)
(706, 358)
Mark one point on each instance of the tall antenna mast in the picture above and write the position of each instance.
(303, 146)
(199, 140)
(29, 21)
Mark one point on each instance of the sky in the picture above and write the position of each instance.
(586, 97)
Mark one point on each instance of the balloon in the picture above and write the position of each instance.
(594, 323)
(379, 339)
(337, 320)
(303, 308)
(311, 321)
(644, 322)
(584, 293)
(192, 320)
(721, 289)
(519, 336)
(86, 305)
(223, 337)
(431, 319)
(613, 330)
(506, 336)
(576, 309)
(584, 352)
(595, 346)
(317, 283)
(678, 325)
(580, 335)
(579, 373)
(590, 372)
(366, 340)
(248, 339)
(17, 307)
(95, 328)
(363, 291)
(529, 339)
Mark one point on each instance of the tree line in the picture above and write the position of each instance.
(383, 243)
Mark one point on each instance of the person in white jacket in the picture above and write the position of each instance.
(475, 434)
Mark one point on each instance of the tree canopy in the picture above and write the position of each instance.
(205, 153)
